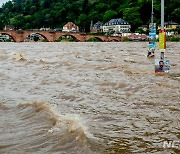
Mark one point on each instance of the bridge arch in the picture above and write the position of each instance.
(113, 40)
(10, 35)
(66, 35)
(37, 33)
(94, 39)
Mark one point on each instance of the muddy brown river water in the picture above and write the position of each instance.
(88, 98)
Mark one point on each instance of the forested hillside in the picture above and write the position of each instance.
(28, 14)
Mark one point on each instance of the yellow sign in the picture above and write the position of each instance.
(162, 40)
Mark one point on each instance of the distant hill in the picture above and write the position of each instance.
(28, 14)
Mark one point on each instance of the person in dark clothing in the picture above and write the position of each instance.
(161, 66)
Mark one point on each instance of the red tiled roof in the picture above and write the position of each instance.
(71, 25)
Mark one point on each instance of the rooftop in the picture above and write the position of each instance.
(98, 24)
(170, 23)
(118, 21)
(70, 24)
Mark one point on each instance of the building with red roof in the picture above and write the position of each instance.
(70, 27)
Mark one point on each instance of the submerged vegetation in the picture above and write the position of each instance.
(94, 39)
(66, 38)
(175, 39)
(35, 14)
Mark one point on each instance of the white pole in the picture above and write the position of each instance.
(162, 25)
(162, 14)
(152, 13)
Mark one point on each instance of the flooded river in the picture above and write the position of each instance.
(87, 98)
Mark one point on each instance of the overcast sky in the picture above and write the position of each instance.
(2, 1)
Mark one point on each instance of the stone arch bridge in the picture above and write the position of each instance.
(52, 36)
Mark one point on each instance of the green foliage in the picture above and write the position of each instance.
(34, 14)
(95, 33)
(141, 31)
(126, 39)
(71, 39)
(176, 14)
(177, 30)
(110, 32)
(101, 7)
(93, 39)
(59, 39)
(133, 16)
(66, 38)
(43, 40)
(8, 40)
(175, 39)
(108, 15)
(82, 21)
(36, 38)
(95, 16)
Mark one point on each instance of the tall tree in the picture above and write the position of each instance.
(55, 13)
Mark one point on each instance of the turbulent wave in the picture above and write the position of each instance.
(175, 76)
(126, 106)
(34, 127)
(19, 57)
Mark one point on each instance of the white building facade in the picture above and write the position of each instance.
(117, 25)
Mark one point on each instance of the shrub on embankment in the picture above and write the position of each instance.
(175, 39)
